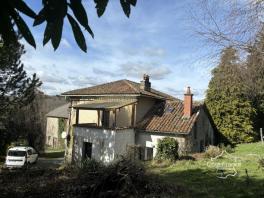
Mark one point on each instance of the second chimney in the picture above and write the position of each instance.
(187, 109)
(145, 84)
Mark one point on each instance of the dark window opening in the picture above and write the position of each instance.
(87, 150)
(105, 120)
(149, 151)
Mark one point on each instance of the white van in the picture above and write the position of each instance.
(20, 156)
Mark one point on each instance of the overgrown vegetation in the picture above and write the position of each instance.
(261, 162)
(212, 151)
(201, 180)
(62, 127)
(126, 178)
(167, 149)
(123, 178)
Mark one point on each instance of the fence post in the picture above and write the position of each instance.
(261, 135)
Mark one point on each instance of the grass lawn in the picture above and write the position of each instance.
(200, 176)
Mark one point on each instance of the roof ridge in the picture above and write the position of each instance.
(128, 83)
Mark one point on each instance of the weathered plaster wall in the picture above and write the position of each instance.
(88, 116)
(103, 143)
(52, 131)
(107, 145)
(123, 138)
(147, 139)
(204, 133)
(124, 116)
(143, 106)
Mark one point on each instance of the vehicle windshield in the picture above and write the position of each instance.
(17, 153)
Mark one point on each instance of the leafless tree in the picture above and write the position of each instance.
(228, 22)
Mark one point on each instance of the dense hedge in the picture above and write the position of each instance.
(167, 148)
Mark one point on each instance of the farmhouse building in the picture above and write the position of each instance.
(106, 119)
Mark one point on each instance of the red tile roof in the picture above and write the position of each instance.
(118, 87)
(168, 117)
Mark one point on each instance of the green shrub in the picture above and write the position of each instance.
(228, 148)
(91, 165)
(167, 149)
(212, 151)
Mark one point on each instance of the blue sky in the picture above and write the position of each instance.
(157, 39)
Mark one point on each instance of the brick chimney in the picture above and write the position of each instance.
(145, 84)
(187, 111)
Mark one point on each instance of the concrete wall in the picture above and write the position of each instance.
(124, 116)
(107, 145)
(103, 143)
(123, 138)
(52, 131)
(147, 139)
(143, 106)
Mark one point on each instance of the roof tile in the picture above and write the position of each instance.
(168, 117)
(118, 87)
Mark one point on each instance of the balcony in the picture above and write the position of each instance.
(105, 114)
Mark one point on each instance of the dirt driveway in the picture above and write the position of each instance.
(49, 163)
(42, 163)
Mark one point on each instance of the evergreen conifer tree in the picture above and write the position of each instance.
(254, 79)
(231, 110)
(16, 89)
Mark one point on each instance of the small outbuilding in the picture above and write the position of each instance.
(56, 124)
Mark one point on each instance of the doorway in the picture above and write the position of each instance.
(87, 150)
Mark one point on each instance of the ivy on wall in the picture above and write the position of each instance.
(61, 128)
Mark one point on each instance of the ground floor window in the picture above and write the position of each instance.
(87, 150)
(149, 153)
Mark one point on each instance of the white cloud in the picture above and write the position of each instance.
(153, 41)
(65, 43)
(156, 52)
(155, 71)
(85, 81)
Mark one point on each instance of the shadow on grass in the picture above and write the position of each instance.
(55, 154)
(202, 183)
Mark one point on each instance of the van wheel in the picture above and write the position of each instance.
(35, 161)
(26, 165)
